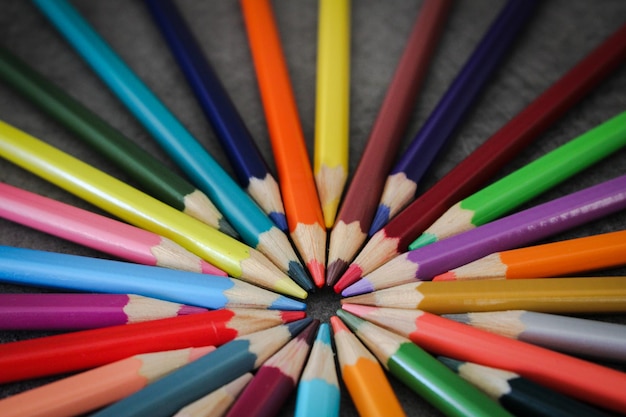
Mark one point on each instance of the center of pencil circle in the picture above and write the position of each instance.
(322, 304)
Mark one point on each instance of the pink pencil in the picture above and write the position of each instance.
(83, 311)
(97, 232)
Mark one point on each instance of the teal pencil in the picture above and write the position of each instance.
(191, 382)
(318, 390)
(255, 227)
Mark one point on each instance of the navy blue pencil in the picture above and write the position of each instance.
(251, 169)
(401, 184)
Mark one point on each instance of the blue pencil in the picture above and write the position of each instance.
(228, 362)
(251, 169)
(81, 273)
(401, 184)
(255, 227)
(318, 390)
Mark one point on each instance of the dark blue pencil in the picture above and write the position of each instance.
(191, 382)
(402, 181)
(252, 171)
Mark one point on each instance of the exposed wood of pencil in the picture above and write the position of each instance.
(603, 251)
(96, 388)
(563, 295)
(276, 379)
(587, 381)
(482, 164)
(251, 169)
(74, 311)
(217, 403)
(587, 338)
(74, 351)
(98, 232)
(363, 193)
(302, 206)
(193, 381)
(519, 395)
(152, 176)
(142, 210)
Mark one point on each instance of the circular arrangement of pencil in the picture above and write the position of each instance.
(465, 292)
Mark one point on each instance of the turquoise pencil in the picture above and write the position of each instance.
(255, 227)
(318, 390)
(48, 269)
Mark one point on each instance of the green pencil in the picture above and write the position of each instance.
(528, 182)
(422, 372)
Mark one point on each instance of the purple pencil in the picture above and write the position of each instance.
(53, 311)
(510, 232)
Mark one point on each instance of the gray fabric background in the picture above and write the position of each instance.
(561, 33)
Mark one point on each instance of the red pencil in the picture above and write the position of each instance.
(89, 348)
(482, 164)
(276, 379)
(363, 194)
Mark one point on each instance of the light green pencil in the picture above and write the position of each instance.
(528, 182)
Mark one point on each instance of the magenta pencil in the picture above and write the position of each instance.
(97, 232)
(52, 311)
(509, 232)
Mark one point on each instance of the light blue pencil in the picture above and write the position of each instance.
(254, 226)
(318, 390)
(57, 270)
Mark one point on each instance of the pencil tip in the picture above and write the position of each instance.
(352, 275)
(423, 240)
(280, 220)
(317, 271)
(447, 276)
(334, 271)
(289, 316)
(286, 303)
(360, 287)
(288, 287)
(299, 274)
(358, 309)
(225, 227)
(381, 218)
(297, 326)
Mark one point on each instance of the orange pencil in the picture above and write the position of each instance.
(603, 251)
(302, 206)
(364, 377)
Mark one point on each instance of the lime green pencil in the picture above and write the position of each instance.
(528, 182)
(141, 210)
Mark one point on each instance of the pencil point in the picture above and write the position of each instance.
(334, 271)
(298, 273)
(317, 270)
(225, 227)
(287, 304)
(357, 309)
(381, 218)
(352, 275)
(280, 220)
(448, 276)
(360, 287)
(424, 240)
(288, 287)
(289, 316)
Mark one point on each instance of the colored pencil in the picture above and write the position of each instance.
(332, 105)
(251, 170)
(139, 209)
(190, 382)
(363, 193)
(84, 349)
(149, 173)
(421, 372)
(509, 232)
(444, 120)
(98, 232)
(482, 164)
(254, 227)
(90, 390)
(302, 206)
(529, 181)
(602, 251)
(50, 311)
(563, 295)
(217, 403)
(519, 395)
(569, 375)
(363, 376)
(80, 273)
(276, 379)
(318, 389)
(587, 338)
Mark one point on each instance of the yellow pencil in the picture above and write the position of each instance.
(141, 210)
(332, 105)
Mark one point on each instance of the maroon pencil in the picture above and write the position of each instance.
(276, 378)
(363, 194)
(482, 164)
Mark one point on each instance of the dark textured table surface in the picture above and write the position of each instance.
(561, 33)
